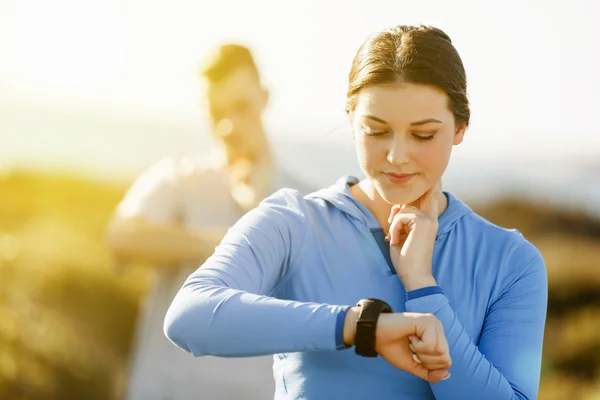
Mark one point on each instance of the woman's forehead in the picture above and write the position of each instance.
(405, 101)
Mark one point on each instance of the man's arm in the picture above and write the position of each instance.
(146, 228)
(136, 239)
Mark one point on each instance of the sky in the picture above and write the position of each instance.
(531, 65)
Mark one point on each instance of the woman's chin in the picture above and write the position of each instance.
(407, 193)
(398, 196)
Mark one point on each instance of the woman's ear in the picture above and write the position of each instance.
(459, 135)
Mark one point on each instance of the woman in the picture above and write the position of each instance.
(286, 275)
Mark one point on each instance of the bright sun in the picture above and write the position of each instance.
(64, 44)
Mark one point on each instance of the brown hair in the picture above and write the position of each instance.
(411, 54)
(226, 59)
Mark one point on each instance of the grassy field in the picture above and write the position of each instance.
(67, 317)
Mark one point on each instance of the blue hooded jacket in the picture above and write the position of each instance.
(285, 274)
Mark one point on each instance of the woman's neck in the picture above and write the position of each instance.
(367, 195)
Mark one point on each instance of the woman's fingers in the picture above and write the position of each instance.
(433, 341)
(432, 344)
(400, 226)
(421, 355)
(420, 371)
(432, 362)
(393, 212)
(432, 349)
(438, 375)
(433, 376)
(403, 217)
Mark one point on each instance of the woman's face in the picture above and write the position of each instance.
(404, 135)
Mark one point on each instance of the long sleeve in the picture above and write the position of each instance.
(507, 363)
(224, 308)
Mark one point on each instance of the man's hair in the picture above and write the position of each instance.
(226, 59)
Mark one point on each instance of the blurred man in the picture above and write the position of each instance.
(177, 212)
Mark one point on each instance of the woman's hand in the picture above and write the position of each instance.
(420, 348)
(412, 236)
(412, 342)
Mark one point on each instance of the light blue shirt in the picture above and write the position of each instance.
(283, 277)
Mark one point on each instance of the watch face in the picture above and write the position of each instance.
(376, 301)
(385, 306)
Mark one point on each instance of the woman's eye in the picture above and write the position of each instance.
(422, 137)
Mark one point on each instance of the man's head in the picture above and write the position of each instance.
(236, 99)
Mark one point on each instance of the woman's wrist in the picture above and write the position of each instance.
(411, 283)
(387, 323)
(350, 325)
(393, 326)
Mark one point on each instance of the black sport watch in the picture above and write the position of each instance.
(366, 325)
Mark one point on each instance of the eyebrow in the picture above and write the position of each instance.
(416, 123)
(426, 121)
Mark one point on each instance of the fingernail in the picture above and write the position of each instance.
(446, 377)
(387, 238)
(414, 356)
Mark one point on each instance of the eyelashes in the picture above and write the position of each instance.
(417, 137)
(424, 138)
